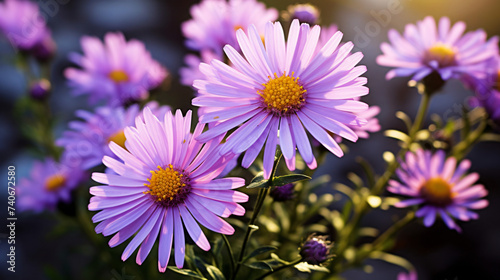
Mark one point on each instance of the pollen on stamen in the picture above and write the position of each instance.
(168, 186)
(443, 54)
(437, 191)
(283, 94)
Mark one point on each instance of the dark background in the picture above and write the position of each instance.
(437, 253)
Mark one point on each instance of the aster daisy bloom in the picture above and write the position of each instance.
(116, 71)
(215, 21)
(192, 72)
(372, 125)
(282, 88)
(87, 141)
(425, 48)
(25, 28)
(164, 184)
(486, 87)
(49, 183)
(439, 187)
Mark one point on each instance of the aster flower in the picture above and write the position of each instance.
(282, 88)
(116, 71)
(87, 141)
(425, 48)
(305, 13)
(192, 72)
(25, 28)
(439, 188)
(487, 89)
(372, 125)
(316, 249)
(215, 21)
(164, 185)
(49, 183)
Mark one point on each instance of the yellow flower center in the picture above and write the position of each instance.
(437, 191)
(443, 54)
(282, 94)
(237, 27)
(55, 182)
(118, 76)
(167, 185)
(118, 138)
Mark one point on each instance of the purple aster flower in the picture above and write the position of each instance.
(215, 21)
(25, 28)
(487, 89)
(282, 89)
(316, 249)
(116, 71)
(412, 275)
(425, 48)
(87, 141)
(192, 72)
(305, 13)
(164, 185)
(372, 125)
(49, 183)
(441, 188)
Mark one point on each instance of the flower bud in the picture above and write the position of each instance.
(40, 89)
(305, 13)
(316, 249)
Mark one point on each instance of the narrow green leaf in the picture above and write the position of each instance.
(259, 265)
(259, 182)
(215, 273)
(287, 179)
(259, 251)
(186, 272)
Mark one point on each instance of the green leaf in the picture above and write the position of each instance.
(287, 179)
(186, 272)
(396, 134)
(305, 267)
(259, 251)
(259, 265)
(215, 273)
(259, 182)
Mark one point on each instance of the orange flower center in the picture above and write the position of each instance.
(118, 76)
(55, 182)
(437, 191)
(282, 94)
(118, 138)
(443, 54)
(166, 184)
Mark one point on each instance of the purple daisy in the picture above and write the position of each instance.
(282, 89)
(425, 48)
(487, 90)
(441, 188)
(192, 72)
(87, 141)
(164, 185)
(25, 28)
(116, 71)
(50, 182)
(372, 125)
(215, 21)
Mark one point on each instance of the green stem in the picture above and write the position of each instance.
(258, 205)
(230, 251)
(390, 232)
(280, 268)
(463, 147)
(346, 236)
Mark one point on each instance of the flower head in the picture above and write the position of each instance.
(282, 89)
(25, 28)
(164, 183)
(305, 13)
(215, 22)
(316, 249)
(40, 89)
(116, 71)
(49, 183)
(487, 90)
(87, 141)
(439, 187)
(192, 72)
(425, 48)
(283, 193)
